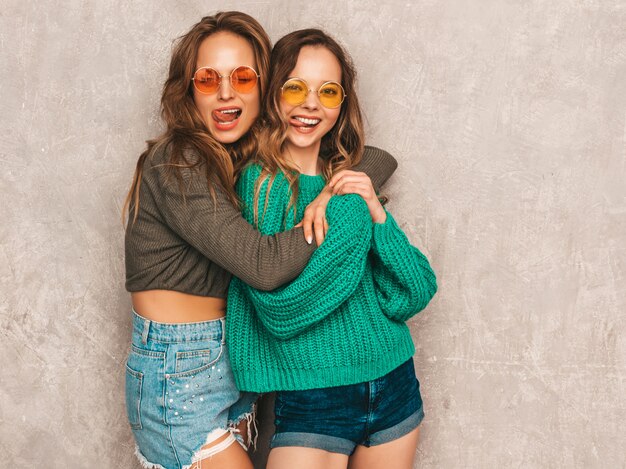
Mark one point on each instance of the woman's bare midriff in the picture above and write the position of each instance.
(176, 307)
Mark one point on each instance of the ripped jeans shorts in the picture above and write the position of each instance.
(180, 392)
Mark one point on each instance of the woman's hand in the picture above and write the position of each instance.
(353, 182)
(314, 219)
(344, 182)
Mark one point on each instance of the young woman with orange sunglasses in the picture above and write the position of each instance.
(186, 236)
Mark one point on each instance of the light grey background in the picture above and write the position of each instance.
(508, 119)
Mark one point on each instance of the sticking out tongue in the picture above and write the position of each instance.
(228, 115)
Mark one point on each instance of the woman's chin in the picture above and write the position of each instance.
(303, 140)
(228, 135)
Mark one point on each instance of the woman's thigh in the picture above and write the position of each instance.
(233, 457)
(288, 457)
(399, 454)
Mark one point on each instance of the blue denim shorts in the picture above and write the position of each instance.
(338, 419)
(180, 390)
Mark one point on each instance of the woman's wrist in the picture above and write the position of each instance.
(378, 213)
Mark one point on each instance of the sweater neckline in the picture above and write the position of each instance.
(311, 177)
(310, 186)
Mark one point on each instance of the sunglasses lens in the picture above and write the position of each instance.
(243, 79)
(206, 80)
(295, 92)
(331, 95)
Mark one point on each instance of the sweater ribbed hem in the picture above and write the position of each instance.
(265, 379)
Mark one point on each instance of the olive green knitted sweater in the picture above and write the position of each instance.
(342, 321)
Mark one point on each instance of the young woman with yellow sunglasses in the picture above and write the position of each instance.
(333, 343)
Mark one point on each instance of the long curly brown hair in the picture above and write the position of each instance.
(186, 131)
(341, 148)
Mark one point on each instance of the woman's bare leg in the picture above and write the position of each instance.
(397, 454)
(288, 457)
(244, 431)
(233, 457)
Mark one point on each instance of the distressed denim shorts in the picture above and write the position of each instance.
(180, 391)
(338, 419)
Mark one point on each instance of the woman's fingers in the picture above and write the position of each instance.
(363, 189)
(307, 226)
(314, 224)
(314, 219)
(320, 229)
(358, 178)
(340, 175)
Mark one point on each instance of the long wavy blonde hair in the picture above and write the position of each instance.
(341, 148)
(185, 128)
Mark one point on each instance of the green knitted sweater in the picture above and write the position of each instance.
(342, 321)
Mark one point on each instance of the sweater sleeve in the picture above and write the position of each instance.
(405, 282)
(218, 231)
(378, 165)
(332, 275)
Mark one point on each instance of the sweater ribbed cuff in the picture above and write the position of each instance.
(387, 235)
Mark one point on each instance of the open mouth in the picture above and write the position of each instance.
(304, 123)
(226, 115)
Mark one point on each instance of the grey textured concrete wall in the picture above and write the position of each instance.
(509, 121)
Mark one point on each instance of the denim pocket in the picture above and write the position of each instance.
(134, 382)
(194, 361)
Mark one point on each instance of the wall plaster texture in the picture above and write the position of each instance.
(508, 119)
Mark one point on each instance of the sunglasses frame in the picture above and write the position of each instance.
(310, 90)
(221, 77)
